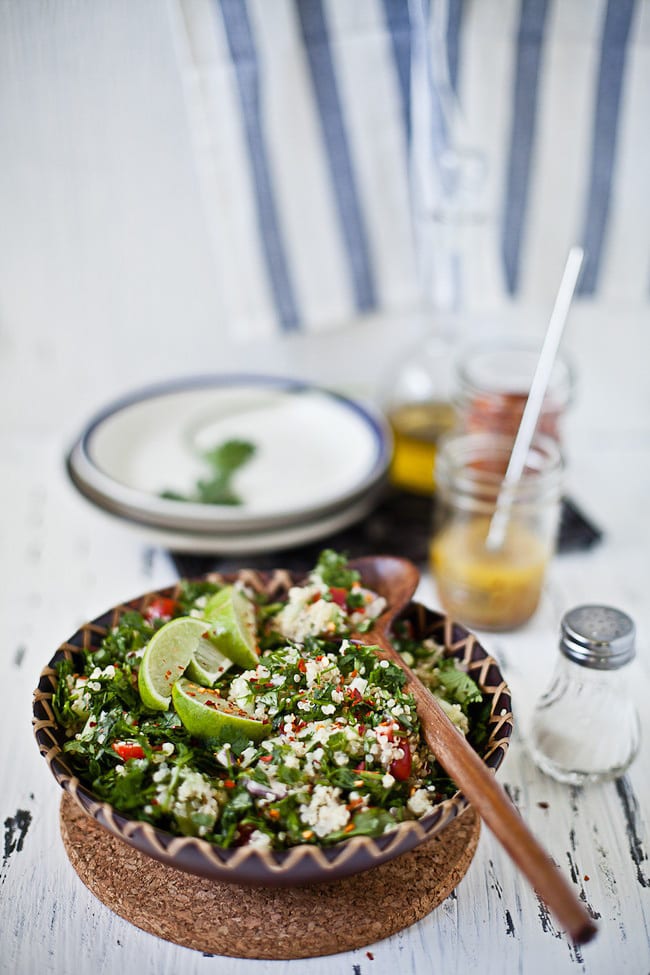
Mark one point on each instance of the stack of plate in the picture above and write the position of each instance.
(320, 460)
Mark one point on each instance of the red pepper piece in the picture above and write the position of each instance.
(128, 749)
(161, 607)
(400, 768)
(339, 596)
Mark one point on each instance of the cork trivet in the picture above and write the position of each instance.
(278, 923)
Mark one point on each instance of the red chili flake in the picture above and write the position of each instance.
(92, 724)
(168, 673)
(370, 956)
(211, 704)
(154, 801)
(229, 784)
(302, 666)
(543, 805)
(587, 877)
(315, 597)
(354, 695)
(266, 758)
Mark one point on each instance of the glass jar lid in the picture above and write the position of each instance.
(599, 637)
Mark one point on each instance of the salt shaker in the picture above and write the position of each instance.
(585, 727)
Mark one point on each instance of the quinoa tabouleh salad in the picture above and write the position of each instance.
(224, 715)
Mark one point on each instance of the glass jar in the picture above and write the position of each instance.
(481, 585)
(585, 727)
(420, 412)
(493, 380)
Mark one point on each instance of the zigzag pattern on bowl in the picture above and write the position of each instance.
(300, 865)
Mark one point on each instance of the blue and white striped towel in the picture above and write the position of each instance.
(302, 116)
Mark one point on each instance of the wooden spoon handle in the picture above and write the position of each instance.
(481, 788)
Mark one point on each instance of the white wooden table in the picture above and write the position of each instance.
(62, 563)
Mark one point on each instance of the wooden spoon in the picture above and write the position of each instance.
(396, 580)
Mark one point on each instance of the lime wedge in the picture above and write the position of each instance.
(207, 664)
(207, 715)
(167, 656)
(233, 626)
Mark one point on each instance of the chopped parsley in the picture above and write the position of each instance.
(224, 461)
(333, 570)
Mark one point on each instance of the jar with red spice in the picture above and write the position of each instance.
(493, 379)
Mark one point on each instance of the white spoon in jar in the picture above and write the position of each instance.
(530, 416)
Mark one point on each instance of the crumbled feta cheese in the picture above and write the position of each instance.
(196, 795)
(324, 813)
(306, 614)
(420, 803)
(321, 667)
(260, 840)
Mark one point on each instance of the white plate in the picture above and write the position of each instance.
(316, 453)
(256, 542)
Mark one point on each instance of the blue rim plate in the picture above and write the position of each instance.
(317, 453)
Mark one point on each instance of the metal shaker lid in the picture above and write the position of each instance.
(598, 636)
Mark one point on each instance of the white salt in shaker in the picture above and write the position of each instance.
(585, 727)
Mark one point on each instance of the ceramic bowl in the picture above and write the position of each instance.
(300, 865)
